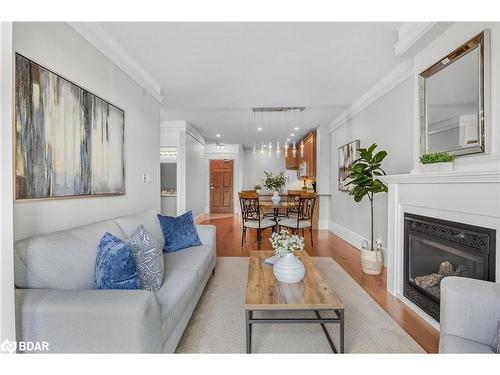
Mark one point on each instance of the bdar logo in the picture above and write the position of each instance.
(8, 346)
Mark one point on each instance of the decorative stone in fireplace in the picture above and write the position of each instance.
(435, 249)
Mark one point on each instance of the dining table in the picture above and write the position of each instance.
(276, 207)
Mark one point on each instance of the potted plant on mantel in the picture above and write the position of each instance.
(363, 174)
(274, 184)
(436, 162)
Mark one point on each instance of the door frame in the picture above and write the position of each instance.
(210, 165)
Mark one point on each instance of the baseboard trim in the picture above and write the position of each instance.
(323, 224)
(346, 234)
(351, 237)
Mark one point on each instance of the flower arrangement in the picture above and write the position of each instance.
(284, 244)
(274, 183)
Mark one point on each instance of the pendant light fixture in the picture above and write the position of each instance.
(294, 150)
(262, 148)
(302, 149)
(270, 149)
(278, 150)
(286, 149)
(254, 150)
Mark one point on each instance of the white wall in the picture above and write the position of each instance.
(255, 165)
(388, 122)
(60, 48)
(452, 38)
(195, 175)
(7, 315)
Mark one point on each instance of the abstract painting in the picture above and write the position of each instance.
(68, 141)
(347, 154)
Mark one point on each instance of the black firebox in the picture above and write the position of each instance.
(435, 249)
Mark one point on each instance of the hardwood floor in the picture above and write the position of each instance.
(328, 244)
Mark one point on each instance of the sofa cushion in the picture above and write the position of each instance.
(456, 344)
(115, 265)
(174, 296)
(197, 259)
(179, 232)
(148, 255)
(61, 260)
(148, 219)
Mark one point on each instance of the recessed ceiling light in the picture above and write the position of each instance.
(292, 135)
(296, 128)
(288, 139)
(217, 135)
(259, 129)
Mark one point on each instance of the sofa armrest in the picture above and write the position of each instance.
(90, 321)
(469, 308)
(207, 235)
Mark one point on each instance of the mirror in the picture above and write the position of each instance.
(452, 101)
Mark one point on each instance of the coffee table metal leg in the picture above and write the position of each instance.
(342, 331)
(249, 331)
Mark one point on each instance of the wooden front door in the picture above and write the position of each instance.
(221, 186)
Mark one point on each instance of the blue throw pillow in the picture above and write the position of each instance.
(179, 232)
(115, 265)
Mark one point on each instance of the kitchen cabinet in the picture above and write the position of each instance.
(308, 156)
(291, 161)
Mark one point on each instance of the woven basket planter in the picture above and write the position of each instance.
(372, 262)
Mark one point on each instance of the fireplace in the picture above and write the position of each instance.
(435, 249)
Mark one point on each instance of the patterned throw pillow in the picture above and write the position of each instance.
(496, 342)
(115, 265)
(148, 255)
(179, 232)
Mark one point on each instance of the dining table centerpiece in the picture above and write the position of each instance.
(274, 184)
(288, 268)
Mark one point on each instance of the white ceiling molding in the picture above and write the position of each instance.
(386, 84)
(183, 126)
(110, 48)
(414, 36)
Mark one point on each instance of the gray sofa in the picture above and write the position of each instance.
(470, 311)
(56, 300)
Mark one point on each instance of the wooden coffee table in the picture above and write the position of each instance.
(313, 294)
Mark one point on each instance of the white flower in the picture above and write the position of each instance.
(284, 244)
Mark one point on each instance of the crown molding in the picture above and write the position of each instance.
(386, 84)
(109, 47)
(415, 36)
(182, 126)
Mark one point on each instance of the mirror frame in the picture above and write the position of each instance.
(480, 41)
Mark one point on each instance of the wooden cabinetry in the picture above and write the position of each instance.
(290, 160)
(308, 156)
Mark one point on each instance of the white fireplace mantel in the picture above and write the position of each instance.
(466, 197)
(443, 178)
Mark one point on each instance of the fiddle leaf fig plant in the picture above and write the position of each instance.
(363, 174)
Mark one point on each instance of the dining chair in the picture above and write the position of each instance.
(251, 216)
(293, 202)
(304, 217)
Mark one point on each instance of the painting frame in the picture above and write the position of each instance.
(102, 104)
(346, 155)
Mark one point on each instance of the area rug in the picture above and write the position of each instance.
(218, 322)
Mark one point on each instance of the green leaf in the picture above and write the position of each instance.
(379, 156)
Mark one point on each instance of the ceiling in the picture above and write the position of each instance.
(212, 74)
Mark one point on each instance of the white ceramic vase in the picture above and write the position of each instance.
(289, 269)
(276, 197)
